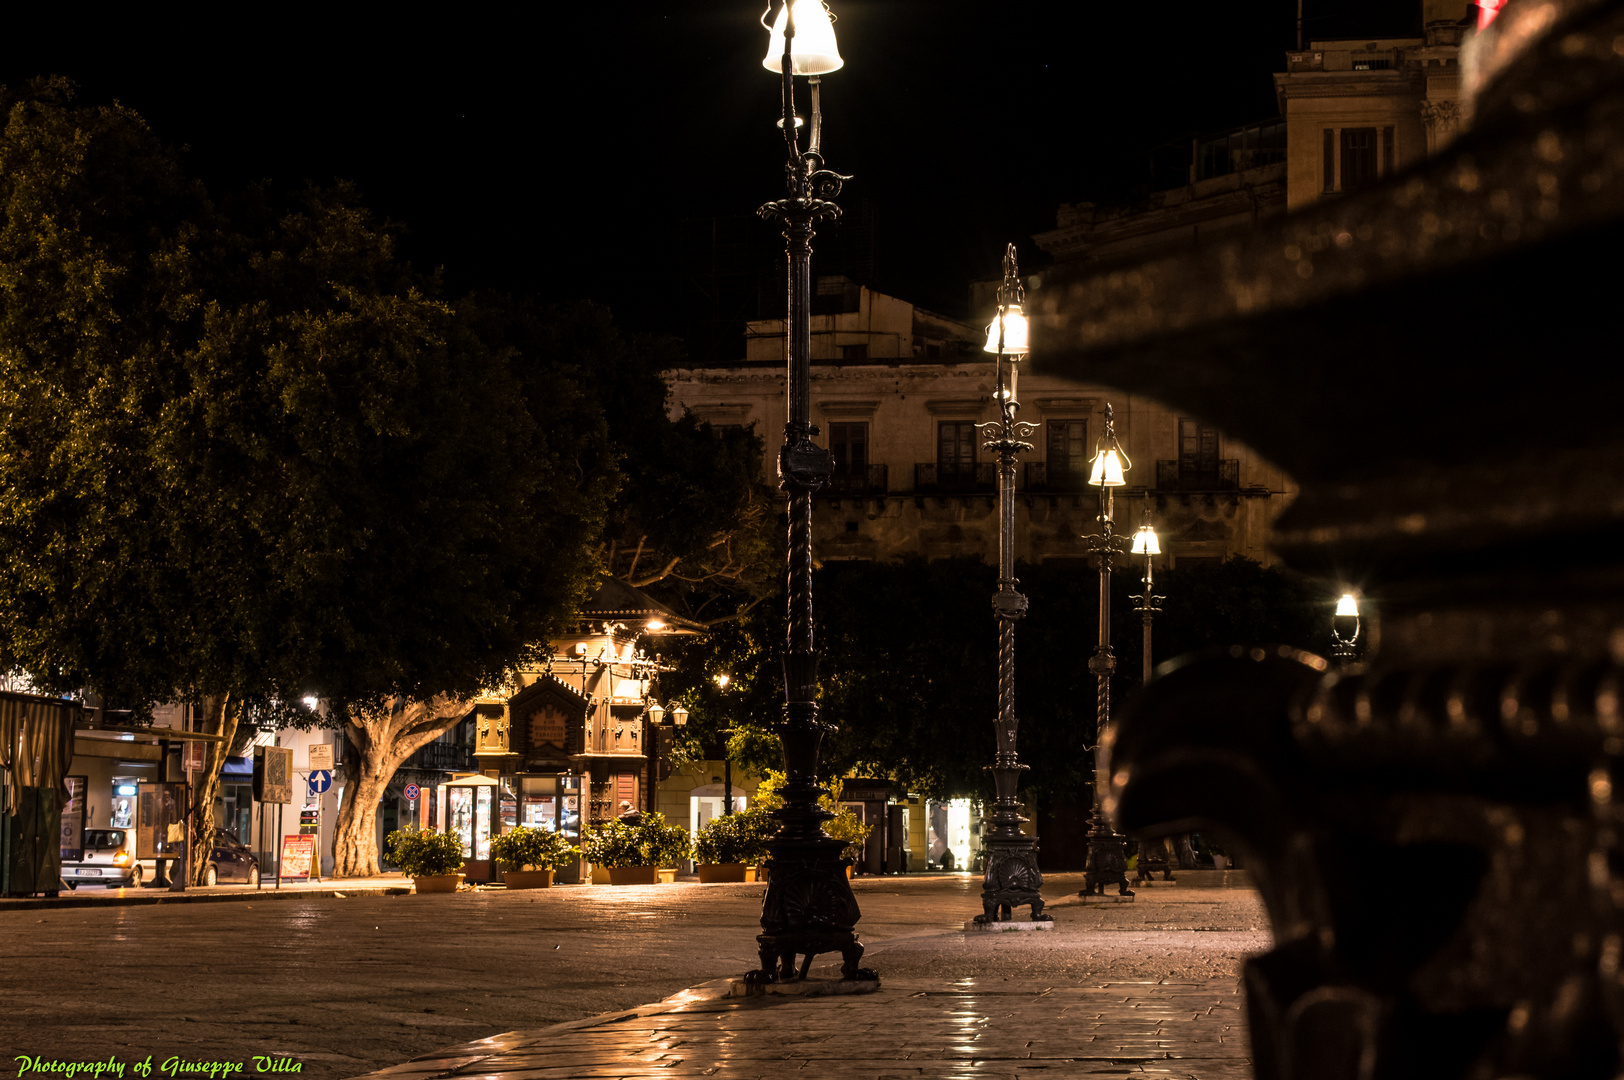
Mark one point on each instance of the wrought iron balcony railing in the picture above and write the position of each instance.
(1044, 476)
(865, 480)
(938, 479)
(1226, 477)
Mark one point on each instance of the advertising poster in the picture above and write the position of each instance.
(73, 820)
(298, 852)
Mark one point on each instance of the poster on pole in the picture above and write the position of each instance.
(273, 774)
(192, 756)
(298, 852)
(321, 757)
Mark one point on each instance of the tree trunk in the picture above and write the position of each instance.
(355, 839)
(382, 740)
(220, 716)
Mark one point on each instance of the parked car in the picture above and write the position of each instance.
(109, 859)
(230, 861)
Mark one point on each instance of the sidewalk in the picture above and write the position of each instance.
(1015, 1013)
(386, 885)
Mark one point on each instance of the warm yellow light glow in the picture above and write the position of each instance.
(814, 51)
(1015, 332)
(1107, 469)
(1145, 542)
(722, 679)
(679, 715)
(656, 713)
(654, 626)
(121, 859)
(1347, 605)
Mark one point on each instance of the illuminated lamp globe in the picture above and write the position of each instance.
(814, 51)
(1015, 336)
(679, 715)
(656, 713)
(722, 679)
(1145, 542)
(1347, 606)
(1107, 469)
(654, 626)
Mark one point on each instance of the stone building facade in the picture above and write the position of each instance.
(897, 393)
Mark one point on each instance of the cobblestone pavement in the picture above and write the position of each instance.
(347, 985)
(908, 1029)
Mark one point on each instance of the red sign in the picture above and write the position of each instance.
(192, 757)
(298, 852)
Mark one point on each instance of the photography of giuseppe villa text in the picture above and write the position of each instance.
(41, 1066)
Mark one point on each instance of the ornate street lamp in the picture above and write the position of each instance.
(1345, 619)
(1107, 856)
(1012, 877)
(809, 907)
(1153, 851)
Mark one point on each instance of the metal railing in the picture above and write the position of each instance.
(934, 478)
(864, 480)
(1043, 476)
(445, 757)
(1226, 477)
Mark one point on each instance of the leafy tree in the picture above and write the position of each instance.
(247, 460)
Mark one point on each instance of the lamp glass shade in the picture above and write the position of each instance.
(679, 715)
(654, 625)
(1013, 321)
(1347, 605)
(1107, 470)
(814, 51)
(656, 713)
(1145, 541)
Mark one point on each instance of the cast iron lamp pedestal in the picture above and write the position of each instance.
(1012, 877)
(1107, 855)
(809, 907)
(1153, 851)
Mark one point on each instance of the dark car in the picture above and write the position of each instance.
(230, 861)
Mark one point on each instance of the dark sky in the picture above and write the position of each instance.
(559, 153)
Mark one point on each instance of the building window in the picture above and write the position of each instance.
(848, 445)
(1388, 158)
(1330, 160)
(956, 451)
(1358, 157)
(1068, 451)
(1198, 454)
(854, 352)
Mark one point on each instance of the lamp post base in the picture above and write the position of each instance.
(1107, 859)
(809, 909)
(1012, 880)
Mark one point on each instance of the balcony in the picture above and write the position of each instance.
(1226, 477)
(932, 478)
(446, 757)
(856, 483)
(1043, 476)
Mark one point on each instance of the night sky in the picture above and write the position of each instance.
(563, 154)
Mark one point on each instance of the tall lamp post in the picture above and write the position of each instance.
(1153, 852)
(809, 907)
(1012, 877)
(1107, 855)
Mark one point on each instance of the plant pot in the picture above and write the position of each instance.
(528, 879)
(668, 877)
(437, 883)
(634, 875)
(714, 873)
(848, 873)
(600, 875)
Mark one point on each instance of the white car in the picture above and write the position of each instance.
(109, 859)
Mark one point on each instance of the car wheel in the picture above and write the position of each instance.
(135, 878)
(211, 876)
(72, 885)
(253, 875)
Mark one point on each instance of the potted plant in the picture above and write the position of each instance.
(431, 859)
(633, 853)
(845, 825)
(531, 856)
(729, 842)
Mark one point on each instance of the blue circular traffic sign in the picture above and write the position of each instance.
(320, 780)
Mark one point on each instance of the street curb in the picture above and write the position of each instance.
(72, 900)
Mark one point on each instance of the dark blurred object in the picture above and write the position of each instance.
(1434, 828)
